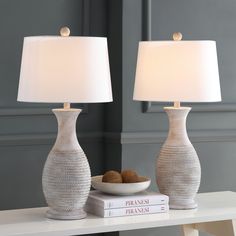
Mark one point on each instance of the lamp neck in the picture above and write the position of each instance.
(66, 105)
(177, 105)
(66, 137)
(177, 125)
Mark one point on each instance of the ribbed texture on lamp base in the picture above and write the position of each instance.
(66, 174)
(178, 167)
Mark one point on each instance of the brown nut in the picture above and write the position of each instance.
(129, 176)
(112, 176)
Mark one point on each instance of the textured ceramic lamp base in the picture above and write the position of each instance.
(66, 175)
(178, 168)
(71, 215)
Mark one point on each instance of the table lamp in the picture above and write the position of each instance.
(177, 71)
(65, 69)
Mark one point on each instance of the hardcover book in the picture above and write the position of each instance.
(126, 211)
(145, 198)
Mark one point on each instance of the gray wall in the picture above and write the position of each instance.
(124, 134)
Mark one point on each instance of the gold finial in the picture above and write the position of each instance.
(65, 31)
(177, 36)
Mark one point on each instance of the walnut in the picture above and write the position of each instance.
(112, 176)
(129, 176)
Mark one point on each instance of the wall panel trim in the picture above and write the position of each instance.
(154, 107)
(34, 111)
(196, 136)
(117, 137)
(86, 17)
(45, 138)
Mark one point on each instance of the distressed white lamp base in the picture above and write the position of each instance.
(178, 170)
(66, 175)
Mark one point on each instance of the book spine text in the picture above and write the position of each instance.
(135, 202)
(135, 211)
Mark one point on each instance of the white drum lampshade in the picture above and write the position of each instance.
(64, 69)
(59, 69)
(177, 71)
(184, 71)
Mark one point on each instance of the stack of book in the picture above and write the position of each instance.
(138, 204)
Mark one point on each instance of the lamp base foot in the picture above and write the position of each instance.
(68, 215)
(176, 206)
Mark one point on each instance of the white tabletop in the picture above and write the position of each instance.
(212, 207)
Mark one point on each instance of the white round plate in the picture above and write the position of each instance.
(119, 188)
